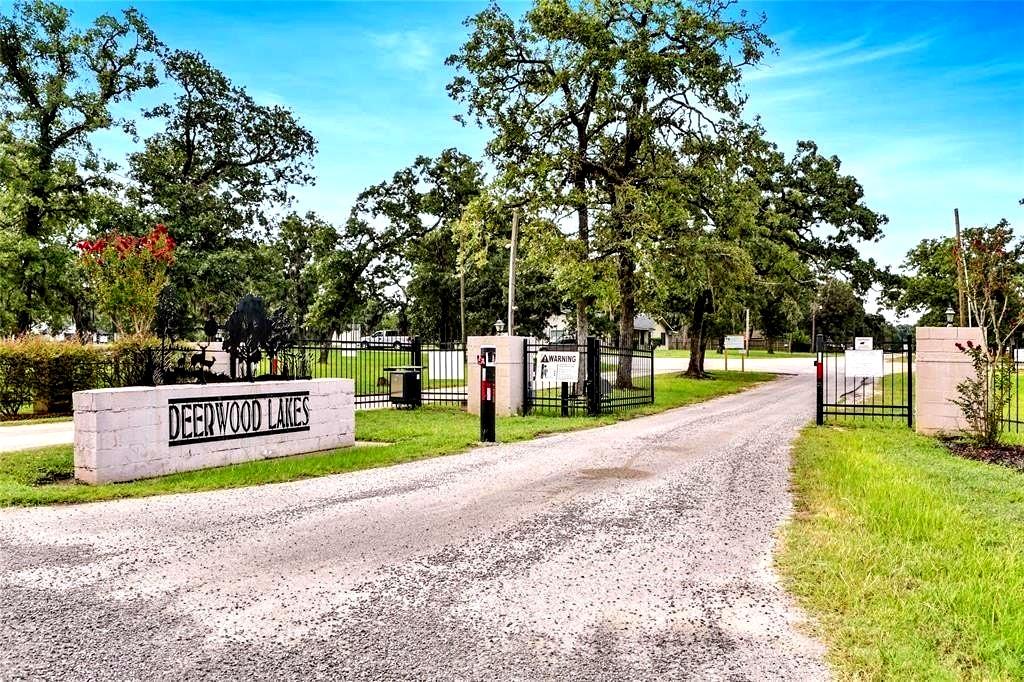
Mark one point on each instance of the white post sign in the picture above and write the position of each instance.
(734, 342)
(864, 363)
(864, 343)
(557, 366)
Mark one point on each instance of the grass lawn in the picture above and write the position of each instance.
(35, 420)
(733, 355)
(43, 476)
(367, 367)
(911, 559)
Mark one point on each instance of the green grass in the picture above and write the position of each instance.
(366, 367)
(733, 355)
(35, 420)
(42, 476)
(911, 559)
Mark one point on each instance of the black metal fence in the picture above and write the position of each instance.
(882, 391)
(442, 366)
(609, 379)
(1012, 419)
(369, 365)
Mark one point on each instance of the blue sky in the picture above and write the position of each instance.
(923, 102)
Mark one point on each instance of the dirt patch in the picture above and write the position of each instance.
(615, 472)
(56, 478)
(1011, 456)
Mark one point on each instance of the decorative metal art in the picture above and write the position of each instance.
(253, 334)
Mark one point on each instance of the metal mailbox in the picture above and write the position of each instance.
(405, 385)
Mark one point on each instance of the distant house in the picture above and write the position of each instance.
(644, 329)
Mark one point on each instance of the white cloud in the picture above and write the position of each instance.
(850, 53)
(410, 50)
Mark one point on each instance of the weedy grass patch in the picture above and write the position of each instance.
(911, 559)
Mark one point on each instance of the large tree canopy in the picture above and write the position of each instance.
(578, 95)
(216, 172)
(58, 85)
(398, 228)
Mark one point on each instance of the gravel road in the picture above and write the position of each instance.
(636, 551)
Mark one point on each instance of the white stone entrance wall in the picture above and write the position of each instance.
(123, 434)
(938, 367)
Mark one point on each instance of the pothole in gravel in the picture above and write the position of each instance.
(615, 472)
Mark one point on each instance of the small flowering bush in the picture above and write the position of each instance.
(126, 274)
(984, 397)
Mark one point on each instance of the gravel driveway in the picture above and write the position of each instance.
(635, 551)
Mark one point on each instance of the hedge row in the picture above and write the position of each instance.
(44, 373)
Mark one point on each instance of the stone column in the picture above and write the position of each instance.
(939, 366)
(508, 398)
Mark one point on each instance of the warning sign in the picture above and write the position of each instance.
(557, 366)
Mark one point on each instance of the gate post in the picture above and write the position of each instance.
(652, 374)
(819, 366)
(526, 376)
(910, 384)
(593, 376)
(417, 352)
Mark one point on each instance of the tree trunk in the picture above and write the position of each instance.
(582, 303)
(698, 340)
(627, 311)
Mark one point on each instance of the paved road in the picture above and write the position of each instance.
(636, 551)
(20, 437)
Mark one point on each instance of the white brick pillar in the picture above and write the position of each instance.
(939, 366)
(508, 395)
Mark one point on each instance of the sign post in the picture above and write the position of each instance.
(486, 360)
(735, 342)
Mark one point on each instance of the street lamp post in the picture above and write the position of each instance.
(499, 326)
(949, 317)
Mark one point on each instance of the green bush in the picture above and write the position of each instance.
(46, 373)
(16, 378)
(133, 360)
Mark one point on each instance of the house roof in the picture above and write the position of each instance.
(643, 323)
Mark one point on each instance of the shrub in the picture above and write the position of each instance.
(985, 396)
(47, 372)
(16, 378)
(133, 360)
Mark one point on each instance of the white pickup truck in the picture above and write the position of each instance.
(385, 338)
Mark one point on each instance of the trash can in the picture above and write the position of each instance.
(405, 385)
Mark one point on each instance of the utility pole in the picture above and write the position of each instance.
(961, 274)
(512, 273)
(462, 287)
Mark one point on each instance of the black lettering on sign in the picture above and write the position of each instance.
(208, 419)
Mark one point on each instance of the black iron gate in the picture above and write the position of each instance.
(612, 379)
(886, 394)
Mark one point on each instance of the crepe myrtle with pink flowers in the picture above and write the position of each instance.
(983, 398)
(125, 275)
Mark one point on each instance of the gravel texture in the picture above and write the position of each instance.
(636, 551)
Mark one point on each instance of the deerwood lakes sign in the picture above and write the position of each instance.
(215, 418)
(123, 434)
